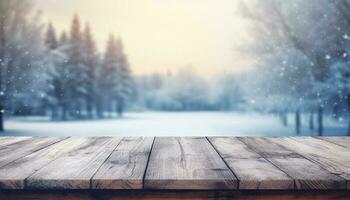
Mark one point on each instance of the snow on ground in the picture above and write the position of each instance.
(167, 124)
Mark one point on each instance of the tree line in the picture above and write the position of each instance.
(63, 76)
(80, 83)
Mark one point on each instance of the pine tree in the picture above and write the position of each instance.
(64, 69)
(90, 63)
(2, 66)
(51, 99)
(77, 72)
(20, 49)
(107, 77)
(50, 39)
(117, 81)
(57, 72)
(3, 44)
(123, 87)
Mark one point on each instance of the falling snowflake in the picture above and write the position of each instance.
(346, 37)
(328, 57)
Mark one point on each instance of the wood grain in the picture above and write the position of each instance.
(333, 157)
(125, 168)
(13, 175)
(187, 163)
(19, 149)
(252, 170)
(74, 169)
(342, 141)
(306, 174)
(5, 141)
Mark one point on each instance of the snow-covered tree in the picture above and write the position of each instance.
(77, 70)
(315, 32)
(340, 81)
(20, 58)
(91, 63)
(57, 69)
(115, 76)
(124, 83)
(51, 39)
(184, 91)
(227, 93)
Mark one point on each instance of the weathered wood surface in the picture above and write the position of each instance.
(252, 170)
(332, 157)
(21, 148)
(13, 175)
(187, 163)
(126, 166)
(191, 163)
(5, 141)
(75, 169)
(342, 141)
(306, 174)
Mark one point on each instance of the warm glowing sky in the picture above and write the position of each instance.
(161, 35)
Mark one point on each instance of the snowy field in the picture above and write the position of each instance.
(168, 124)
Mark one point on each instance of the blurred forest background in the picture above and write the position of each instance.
(300, 71)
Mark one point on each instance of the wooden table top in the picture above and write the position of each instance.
(186, 163)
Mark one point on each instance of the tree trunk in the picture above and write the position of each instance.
(79, 114)
(53, 113)
(99, 110)
(110, 108)
(98, 105)
(348, 98)
(297, 122)
(120, 107)
(64, 113)
(320, 120)
(335, 111)
(284, 118)
(349, 121)
(1, 118)
(311, 120)
(2, 68)
(89, 109)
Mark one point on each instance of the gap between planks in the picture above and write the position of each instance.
(148, 159)
(93, 175)
(253, 171)
(227, 165)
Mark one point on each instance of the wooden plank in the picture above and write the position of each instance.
(75, 169)
(13, 175)
(251, 169)
(172, 195)
(306, 174)
(126, 166)
(5, 141)
(342, 141)
(332, 157)
(19, 149)
(187, 163)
